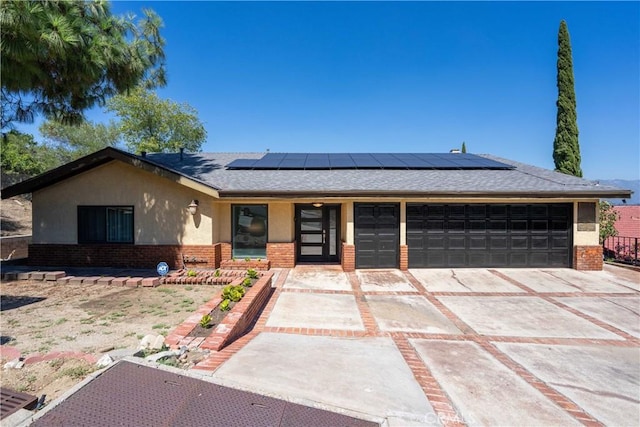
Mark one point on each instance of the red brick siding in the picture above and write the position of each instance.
(128, 256)
(587, 257)
(282, 255)
(241, 264)
(15, 246)
(225, 251)
(348, 257)
(404, 257)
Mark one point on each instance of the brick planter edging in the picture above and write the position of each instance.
(241, 316)
(234, 323)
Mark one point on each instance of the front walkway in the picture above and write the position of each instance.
(452, 347)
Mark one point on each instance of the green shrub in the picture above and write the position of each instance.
(247, 282)
(204, 322)
(224, 305)
(233, 293)
(192, 273)
(252, 274)
(217, 273)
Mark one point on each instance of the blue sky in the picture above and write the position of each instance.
(405, 77)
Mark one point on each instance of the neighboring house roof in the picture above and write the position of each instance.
(628, 222)
(208, 169)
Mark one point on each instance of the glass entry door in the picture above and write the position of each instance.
(317, 233)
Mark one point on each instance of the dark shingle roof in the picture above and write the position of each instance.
(209, 170)
(523, 180)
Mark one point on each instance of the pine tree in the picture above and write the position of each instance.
(464, 147)
(566, 150)
(62, 57)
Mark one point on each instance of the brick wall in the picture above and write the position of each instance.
(225, 251)
(127, 256)
(587, 257)
(14, 247)
(404, 257)
(348, 260)
(282, 255)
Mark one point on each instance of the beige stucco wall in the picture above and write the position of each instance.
(586, 238)
(160, 214)
(161, 217)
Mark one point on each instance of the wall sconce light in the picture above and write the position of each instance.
(317, 204)
(193, 207)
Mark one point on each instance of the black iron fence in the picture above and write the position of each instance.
(622, 249)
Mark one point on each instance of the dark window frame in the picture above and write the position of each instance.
(236, 249)
(97, 215)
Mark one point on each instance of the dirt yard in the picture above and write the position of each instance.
(44, 317)
(15, 216)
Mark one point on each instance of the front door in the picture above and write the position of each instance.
(318, 233)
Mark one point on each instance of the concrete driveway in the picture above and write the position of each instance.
(450, 347)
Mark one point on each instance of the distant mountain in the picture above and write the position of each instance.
(627, 184)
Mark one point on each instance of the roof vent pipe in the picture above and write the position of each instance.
(455, 150)
(181, 153)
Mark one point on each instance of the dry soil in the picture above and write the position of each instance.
(44, 317)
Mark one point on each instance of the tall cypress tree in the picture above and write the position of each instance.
(566, 150)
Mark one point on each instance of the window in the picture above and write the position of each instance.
(249, 231)
(105, 224)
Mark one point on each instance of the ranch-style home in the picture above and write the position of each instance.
(361, 210)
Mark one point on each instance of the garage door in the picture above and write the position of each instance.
(377, 235)
(489, 235)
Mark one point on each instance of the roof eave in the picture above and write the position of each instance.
(616, 194)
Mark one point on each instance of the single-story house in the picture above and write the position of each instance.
(362, 210)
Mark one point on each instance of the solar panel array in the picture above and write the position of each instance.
(303, 161)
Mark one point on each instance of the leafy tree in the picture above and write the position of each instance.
(62, 57)
(72, 142)
(148, 123)
(22, 157)
(608, 218)
(464, 147)
(566, 150)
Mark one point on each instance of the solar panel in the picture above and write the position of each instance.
(341, 161)
(388, 160)
(317, 161)
(368, 161)
(270, 161)
(365, 160)
(242, 164)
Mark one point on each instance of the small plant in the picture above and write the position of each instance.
(76, 373)
(247, 259)
(218, 273)
(192, 273)
(224, 305)
(247, 282)
(160, 326)
(252, 274)
(233, 293)
(204, 322)
(56, 363)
